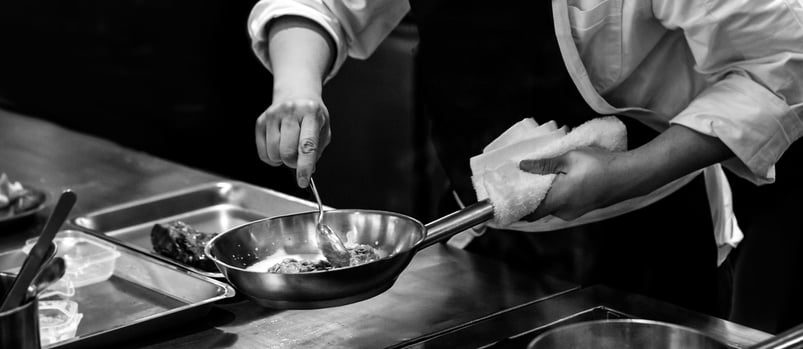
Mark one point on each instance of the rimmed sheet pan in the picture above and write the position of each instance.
(213, 207)
(143, 294)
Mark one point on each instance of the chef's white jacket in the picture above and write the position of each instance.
(731, 69)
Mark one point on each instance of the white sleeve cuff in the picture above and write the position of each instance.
(316, 11)
(753, 122)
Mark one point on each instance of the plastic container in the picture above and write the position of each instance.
(89, 259)
(62, 288)
(58, 321)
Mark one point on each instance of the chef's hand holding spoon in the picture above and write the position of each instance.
(294, 130)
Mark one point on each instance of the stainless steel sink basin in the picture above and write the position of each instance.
(522, 339)
(515, 328)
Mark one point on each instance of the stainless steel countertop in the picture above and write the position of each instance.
(515, 327)
(441, 289)
(445, 298)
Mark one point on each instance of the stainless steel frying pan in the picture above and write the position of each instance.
(268, 241)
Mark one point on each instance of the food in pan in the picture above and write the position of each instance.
(16, 199)
(182, 242)
(360, 254)
(292, 266)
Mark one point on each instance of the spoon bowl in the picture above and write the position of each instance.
(330, 244)
(49, 275)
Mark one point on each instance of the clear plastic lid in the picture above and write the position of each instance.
(62, 288)
(89, 259)
(58, 320)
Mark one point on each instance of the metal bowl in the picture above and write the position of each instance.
(394, 236)
(625, 333)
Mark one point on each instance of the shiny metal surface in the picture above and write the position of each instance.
(141, 291)
(789, 339)
(624, 333)
(443, 228)
(517, 327)
(50, 273)
(103, 173)
(19, 326)
(443, 290)
(329, 243)
(210, 207)
(395, 237)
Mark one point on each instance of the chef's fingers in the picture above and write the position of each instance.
(543, 166)
(544, 209)
(288, 144)
(259, 130)
(273, 131)
(325, 133)
(264, 136)
(548, 205)
(308, 147)
(548, 166)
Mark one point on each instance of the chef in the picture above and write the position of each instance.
(703, 86)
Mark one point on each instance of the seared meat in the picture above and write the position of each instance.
(292, 266)
(360, 254)
(181, 242)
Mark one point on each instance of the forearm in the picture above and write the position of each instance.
(301, 54)
(674, 153)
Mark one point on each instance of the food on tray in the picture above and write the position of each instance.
(360, 254)
(183, 243)
(16, 199)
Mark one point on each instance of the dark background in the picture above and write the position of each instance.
(177, 79)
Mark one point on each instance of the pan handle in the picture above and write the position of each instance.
(791, 338)
(443, 228)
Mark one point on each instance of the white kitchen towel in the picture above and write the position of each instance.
(515, 193)
(497, 169)
(720, 200)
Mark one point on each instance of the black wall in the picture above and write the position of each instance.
(173, 78)
(178, 79)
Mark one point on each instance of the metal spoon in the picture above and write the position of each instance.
(330, 244)
(51, 273)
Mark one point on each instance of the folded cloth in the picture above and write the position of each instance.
(515, 193)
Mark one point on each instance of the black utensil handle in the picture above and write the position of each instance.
(15, 296)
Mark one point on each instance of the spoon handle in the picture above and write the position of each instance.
(317, 198)
(37, 255)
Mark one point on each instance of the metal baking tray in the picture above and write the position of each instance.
(213, 207)
(143, 294)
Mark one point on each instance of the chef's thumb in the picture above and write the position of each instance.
(543, 166)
